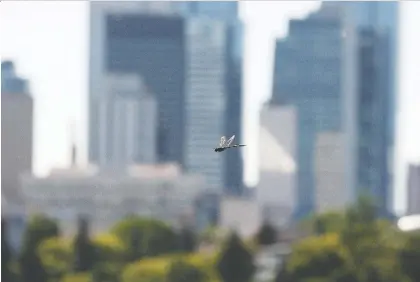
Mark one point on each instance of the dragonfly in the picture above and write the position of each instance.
(226, 144)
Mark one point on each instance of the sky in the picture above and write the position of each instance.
(48, 40)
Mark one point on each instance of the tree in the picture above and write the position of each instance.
(136, 250)
(6, 253)
(56, 255)
(369, 243)
(236, 262)
(329, 222)
(358, 248)
(156, 269)
(153, 237)
(110, 258)
(283, 275)
(179, 271)
(267, 234)
(106, 272)
(187, 240)
(38, 229)
(84, 250)
(317, 257)
(410, 256)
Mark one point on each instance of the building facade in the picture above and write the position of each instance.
(227, 12)
(275, 192)
(127, 122)
(206, 96)
(377, 28)
(132, 38)
(413, 206)
(375, 164)
(314, 72)
(331, 193)
(338, 68)
(161, 192)
(17, 132)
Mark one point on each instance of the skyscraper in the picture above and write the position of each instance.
(17, 130)
(227, 12)
(206, 97)
(338, 67)
(377, 27)
(128, 38)
(313, 73)
(374, 162)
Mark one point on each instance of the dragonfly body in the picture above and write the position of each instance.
(225, 144)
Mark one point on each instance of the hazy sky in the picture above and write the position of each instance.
(49, 43)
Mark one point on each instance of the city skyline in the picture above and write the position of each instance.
(58, 80)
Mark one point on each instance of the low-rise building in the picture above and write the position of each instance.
(158, 191)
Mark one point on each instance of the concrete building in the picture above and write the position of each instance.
(128, 37)
(330, 173)
(240, 214)
(413, 206)
(161, 192)
(16, 131)
(276, 189)
(127, 122)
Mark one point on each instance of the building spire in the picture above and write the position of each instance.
(73, 147)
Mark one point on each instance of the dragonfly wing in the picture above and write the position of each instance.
(222, 141)
(230, 141)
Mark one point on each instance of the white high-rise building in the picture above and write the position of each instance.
(206, 42)
(127, 118)
(276, 188)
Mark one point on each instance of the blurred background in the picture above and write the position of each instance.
(111, 112)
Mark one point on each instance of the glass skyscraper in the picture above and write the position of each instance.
(227, 12)
(308, 75)
(377, 28)
(337, 67)
(128, 40)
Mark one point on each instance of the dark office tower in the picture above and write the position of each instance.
(227, 12)
(16, 129)
(377, 26)
(127, 38)
(373, 175)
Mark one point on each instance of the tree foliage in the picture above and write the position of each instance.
(267, 234)
(180, 271)
(156, 269)
(38, 229)
(361, 248)
(6, 253)
(410, 256)
(187, 240)
(145, 237)
(56, 256)
(84, 249)
(236, 262)
(319, 256)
